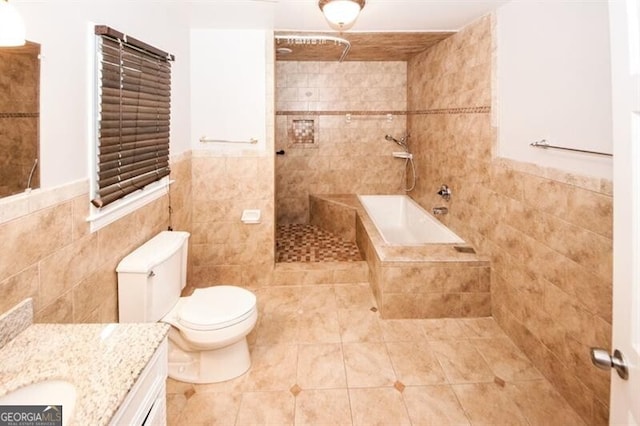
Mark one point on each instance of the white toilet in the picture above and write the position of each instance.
(207, 340)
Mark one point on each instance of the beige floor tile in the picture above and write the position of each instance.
(237, 385)
(277, 327)
(318, 327)
(541, 404)
(312, 341)
(480, 327)
(321, 367)
(490, 404)
(266, 408)
(176, 402)
(434, 406)
(461, 362)
(354, 296)
(442, 329)
(359, 325)
(367, 365)
(209, 409)
(175, 386)
(272, 368)
(378, 406)
(323, 407)
(415, 364)
(505, 359)
(318, 298)
(405, 330)
(279, 299)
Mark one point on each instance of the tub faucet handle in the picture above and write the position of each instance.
(445, 192)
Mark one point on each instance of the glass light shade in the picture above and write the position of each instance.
(12, 29)
(341, 13)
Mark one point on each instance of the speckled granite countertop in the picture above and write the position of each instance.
(103, 361)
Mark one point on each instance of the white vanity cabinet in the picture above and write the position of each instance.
(145, 404)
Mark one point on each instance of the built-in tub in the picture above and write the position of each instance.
(402, 221)
(410, 274)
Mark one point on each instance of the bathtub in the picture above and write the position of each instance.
(416, 267)
(401, 221)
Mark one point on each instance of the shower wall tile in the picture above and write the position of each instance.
(547, 232)
(339, 221)
(50, 255)
(351, 157)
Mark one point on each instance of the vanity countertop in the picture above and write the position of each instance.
(103, 361)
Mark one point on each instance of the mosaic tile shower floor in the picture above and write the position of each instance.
(308, 243)
(322, 356)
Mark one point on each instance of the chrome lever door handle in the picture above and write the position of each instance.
(601, 359)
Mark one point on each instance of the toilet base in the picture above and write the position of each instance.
(212, 366)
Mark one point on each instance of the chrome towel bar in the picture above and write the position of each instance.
(544, 144)
(205, 139)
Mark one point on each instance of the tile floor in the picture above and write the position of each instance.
(308, 243)
(321, 355)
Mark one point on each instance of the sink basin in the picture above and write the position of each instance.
(50, 392)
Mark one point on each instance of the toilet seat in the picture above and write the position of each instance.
(215, 308)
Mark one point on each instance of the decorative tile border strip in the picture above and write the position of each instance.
(463, 110)
(341, 112)
(19, 114)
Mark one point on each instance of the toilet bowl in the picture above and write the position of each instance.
(208, 335)
(207, 341)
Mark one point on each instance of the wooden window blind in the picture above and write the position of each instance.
(134, 109)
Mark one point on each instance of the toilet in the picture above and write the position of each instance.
(208, 335)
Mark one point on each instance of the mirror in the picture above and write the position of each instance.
(19, 118)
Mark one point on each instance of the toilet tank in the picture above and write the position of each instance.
(151, 277)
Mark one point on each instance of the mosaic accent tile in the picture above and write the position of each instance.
(303, 131)
(308, 243)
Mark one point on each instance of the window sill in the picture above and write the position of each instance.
(99, 218)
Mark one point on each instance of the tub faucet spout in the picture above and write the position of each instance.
(440, 211)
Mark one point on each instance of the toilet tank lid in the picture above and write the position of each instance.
(153, 252)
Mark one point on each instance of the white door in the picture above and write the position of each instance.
(625, 66)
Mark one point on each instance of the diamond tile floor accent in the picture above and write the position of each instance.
(356, 368)
(308, 243)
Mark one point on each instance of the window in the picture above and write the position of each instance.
(133, 116)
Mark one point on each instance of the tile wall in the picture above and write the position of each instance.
(19, 117)
(551, 272)
(347, 156)
(50, 255)
(223, 249)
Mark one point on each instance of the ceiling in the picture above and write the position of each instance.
(305, 15)
(364, 46)
(385, 30)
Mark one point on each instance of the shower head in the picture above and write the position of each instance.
(400, 142)
(391, 138)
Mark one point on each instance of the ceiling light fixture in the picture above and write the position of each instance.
(12, 30)
(341, 14)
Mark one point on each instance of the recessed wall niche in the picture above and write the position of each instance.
(302, 132)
